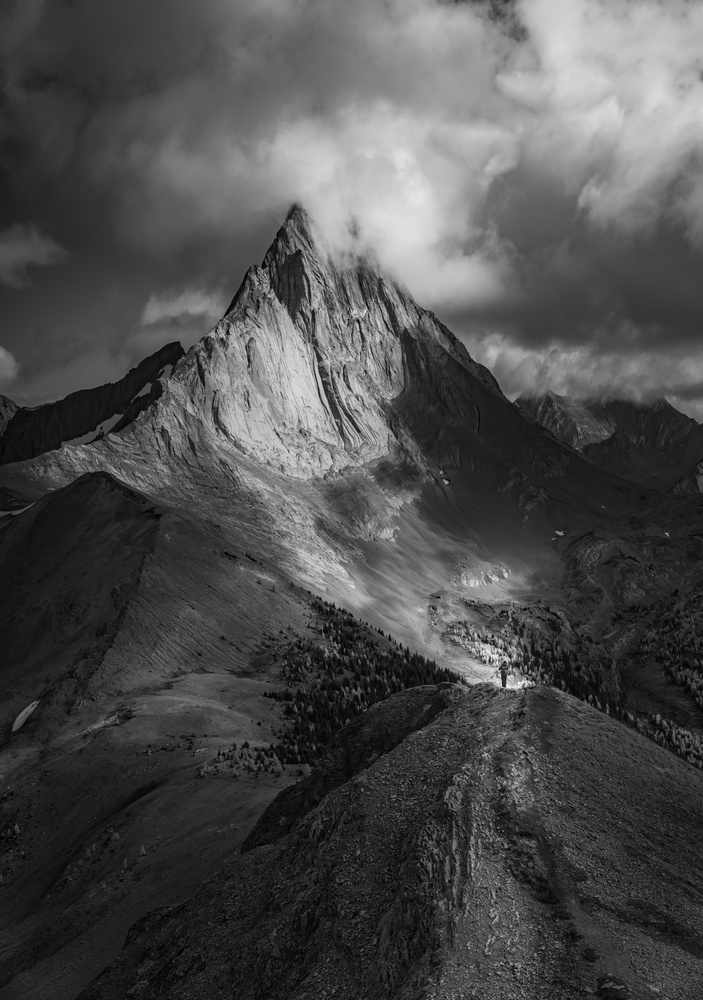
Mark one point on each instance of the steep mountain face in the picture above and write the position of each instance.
(88, 414)
(7, 410)
(354, 440)
(474, 855)
(321, 364)
(331, 437)
(653, 444)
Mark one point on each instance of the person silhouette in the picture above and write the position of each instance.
(504, 673)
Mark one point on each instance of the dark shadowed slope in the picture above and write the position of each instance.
(515, 845)
(143, 640)
(69, 567)
(88, 414)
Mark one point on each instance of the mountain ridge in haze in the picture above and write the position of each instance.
(650, 443)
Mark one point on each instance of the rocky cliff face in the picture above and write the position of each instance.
(88, 414)
(653, 444)
(321, 364)
(306, 370)
(7, 410)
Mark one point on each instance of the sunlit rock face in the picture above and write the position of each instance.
(84, 415)
(323, 365)
(692, 482)
(8, 408)
(650, 443)
(302, 371)
(320, 363)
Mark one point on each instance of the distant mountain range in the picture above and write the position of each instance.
(231, 586)
(650, 443)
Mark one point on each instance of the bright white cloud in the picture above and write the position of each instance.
(591, 370)
(615, 92)
(9, 368)
(401, 115)
(179, 306)
(489, 169)
(22, 247)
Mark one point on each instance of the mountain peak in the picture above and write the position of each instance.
(296, 240)
(318, 355)
(297, 214)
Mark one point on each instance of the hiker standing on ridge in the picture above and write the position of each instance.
(504, 673)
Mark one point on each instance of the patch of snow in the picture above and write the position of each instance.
(14, 513)
(23, 716)
(100, 431)
(144, 391)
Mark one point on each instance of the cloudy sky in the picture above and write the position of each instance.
(536, 178)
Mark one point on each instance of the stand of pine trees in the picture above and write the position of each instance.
(332, 681)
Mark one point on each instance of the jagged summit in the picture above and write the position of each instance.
(324, 363)
(315, 360)
(295, 233)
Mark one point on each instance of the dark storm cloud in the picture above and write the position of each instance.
(542, 188)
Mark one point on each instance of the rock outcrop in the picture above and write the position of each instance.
(692, 482)
(88, 414)
(652, 444)
(8, 408)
